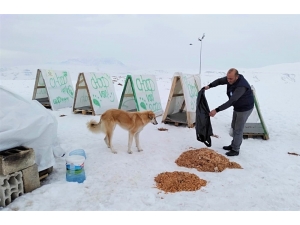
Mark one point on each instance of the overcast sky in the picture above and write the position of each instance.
(154, 41)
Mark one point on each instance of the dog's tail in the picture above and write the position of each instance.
(94, 127)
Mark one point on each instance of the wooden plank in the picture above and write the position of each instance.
(128, 95)
(265, 137)
(245, 136)
(191, 125)
(82, 81)
(177, 95)
(188, 114)
(36, 84)
(45, 173)
(76, 89)
(44, 176)
(84, 110)
(182, 106)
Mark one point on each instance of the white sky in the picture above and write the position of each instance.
(244, 40)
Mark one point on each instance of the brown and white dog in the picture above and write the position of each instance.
(133, 122)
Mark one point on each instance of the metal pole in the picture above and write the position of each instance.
(201, 39)
(200, 58)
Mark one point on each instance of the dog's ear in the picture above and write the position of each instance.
(151, 115)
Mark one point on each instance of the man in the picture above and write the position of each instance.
(241, 98)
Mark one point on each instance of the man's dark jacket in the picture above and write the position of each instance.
(203, 124)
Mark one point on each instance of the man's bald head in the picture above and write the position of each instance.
(232, 75)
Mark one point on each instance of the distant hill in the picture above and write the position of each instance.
(117, 68)
(280, 68)
(93, 62)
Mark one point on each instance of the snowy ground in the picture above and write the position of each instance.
(269, 180)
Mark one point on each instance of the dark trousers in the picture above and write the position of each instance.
(239, 120)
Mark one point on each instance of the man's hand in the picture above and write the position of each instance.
(212, 113)
(206, 87)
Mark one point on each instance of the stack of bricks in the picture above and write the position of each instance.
(18, 173)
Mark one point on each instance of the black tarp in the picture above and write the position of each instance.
(203, 125)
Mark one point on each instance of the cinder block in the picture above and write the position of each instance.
(11, 187)
(31, 179)
(16, 159)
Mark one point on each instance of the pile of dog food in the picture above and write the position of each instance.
(178, 181)
(205, 160)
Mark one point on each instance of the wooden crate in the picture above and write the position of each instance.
(254, 130)
(84, 110)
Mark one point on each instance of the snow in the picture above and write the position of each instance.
(269, 180)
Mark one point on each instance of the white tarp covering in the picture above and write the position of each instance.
(28, 123)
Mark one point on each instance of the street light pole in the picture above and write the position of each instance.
(200, 39)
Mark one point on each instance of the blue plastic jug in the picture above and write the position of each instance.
(75, 168)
